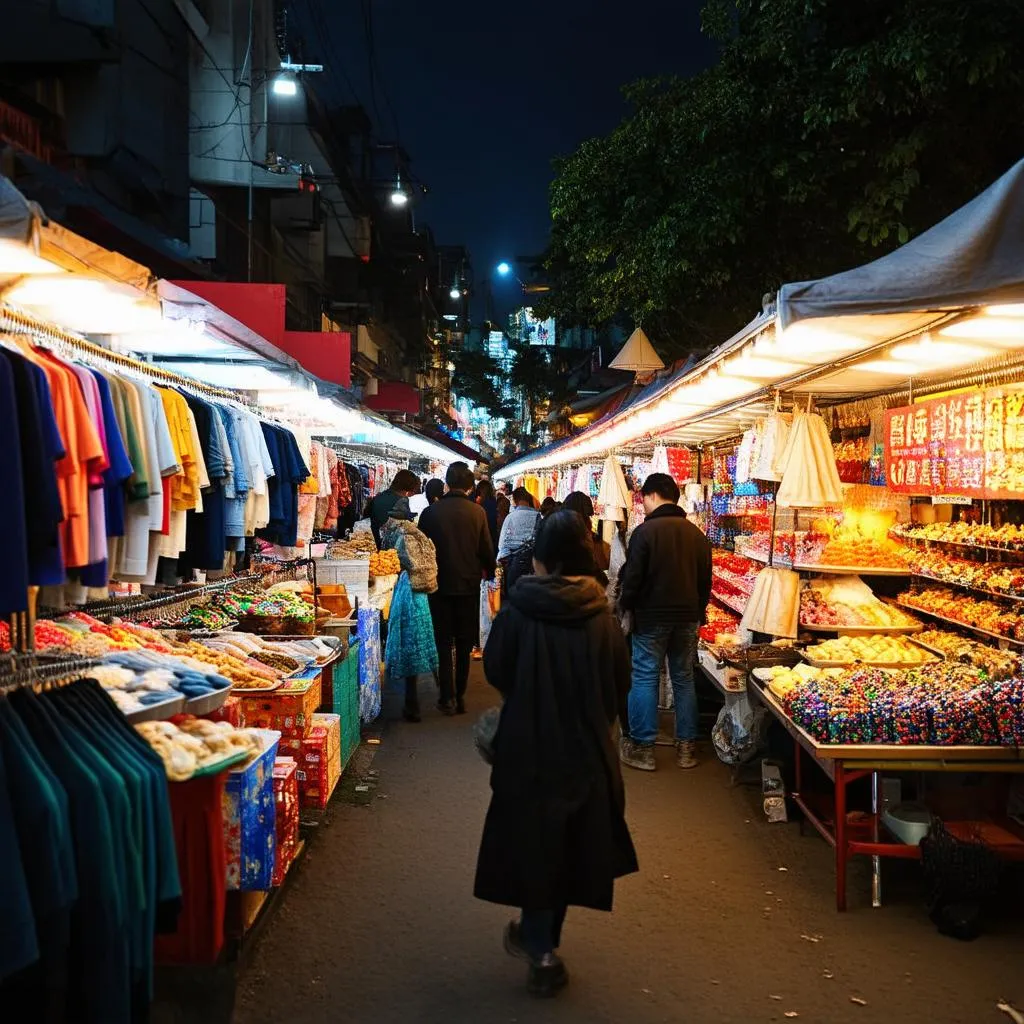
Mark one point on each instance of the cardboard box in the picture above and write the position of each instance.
(320, 763)
(289, 710)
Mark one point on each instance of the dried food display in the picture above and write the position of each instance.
(987, 616)
(868, 650)
(845, 601)
(998, 664)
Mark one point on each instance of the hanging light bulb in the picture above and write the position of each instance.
(455, 294)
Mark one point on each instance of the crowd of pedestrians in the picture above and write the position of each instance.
(576, 654)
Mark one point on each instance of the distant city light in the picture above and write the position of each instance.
(449, 316)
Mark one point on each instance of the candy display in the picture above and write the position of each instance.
(941, 705)
(995, 577)
(718, 621)
(997, 664)
(282, 612)
(869, 650)
(987, 616)
(838, 601)
(1009, 536)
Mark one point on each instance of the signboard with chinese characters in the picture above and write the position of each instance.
(969, 444)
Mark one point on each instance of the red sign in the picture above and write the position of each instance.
(970, 443)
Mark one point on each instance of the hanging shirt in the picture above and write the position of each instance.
(119, 470)
(14, 578)
(205, 542)
(41, 448)
(84, 453)
(19, 946)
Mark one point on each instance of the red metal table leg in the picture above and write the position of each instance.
(842, 851)
(798, 779)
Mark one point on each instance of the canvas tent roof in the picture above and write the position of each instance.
(971, 258)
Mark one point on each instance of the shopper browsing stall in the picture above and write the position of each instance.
(411, 650)
(555, 833)
(404, 485)
(521, 524)
(465, 556)
(665, 586)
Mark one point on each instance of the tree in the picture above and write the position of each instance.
(827, 134)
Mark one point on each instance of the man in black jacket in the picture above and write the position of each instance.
(465, 556)
(665, 584)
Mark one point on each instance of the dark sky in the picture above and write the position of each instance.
(488, 92)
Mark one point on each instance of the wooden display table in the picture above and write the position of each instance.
(845, 764)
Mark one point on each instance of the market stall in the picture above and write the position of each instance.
(856, 456)
(159, 580)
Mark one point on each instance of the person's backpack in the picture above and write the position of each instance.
(519, 563)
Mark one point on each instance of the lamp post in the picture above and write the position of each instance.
(505, 269)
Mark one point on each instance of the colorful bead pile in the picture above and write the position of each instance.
(951, 705)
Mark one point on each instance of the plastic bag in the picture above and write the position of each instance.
(739, 731)
(485, 730)
(490, 604)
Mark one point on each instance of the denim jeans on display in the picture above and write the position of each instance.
(679, 644)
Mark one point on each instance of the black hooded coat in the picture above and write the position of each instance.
(556, 831)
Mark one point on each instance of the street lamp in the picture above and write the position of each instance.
(504, 269)
(399, 197)
(285, 85)
(456, 293)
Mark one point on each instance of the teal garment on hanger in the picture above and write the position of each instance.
(19, 946)
(98, 961)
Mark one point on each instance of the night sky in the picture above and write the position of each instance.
(487, 94)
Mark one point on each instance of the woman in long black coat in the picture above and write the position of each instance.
(556, 834)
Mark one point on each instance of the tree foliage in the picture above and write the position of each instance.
(828, 133)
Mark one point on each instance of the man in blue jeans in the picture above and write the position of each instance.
(665, 585)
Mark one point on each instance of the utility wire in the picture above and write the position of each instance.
(375, 75)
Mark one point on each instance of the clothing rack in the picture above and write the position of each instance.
(21, 670)
(186, 595)
(14, 321)
(354, 452)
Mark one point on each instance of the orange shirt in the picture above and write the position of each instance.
(84, 456)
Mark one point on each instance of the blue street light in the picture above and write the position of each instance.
(504, 268)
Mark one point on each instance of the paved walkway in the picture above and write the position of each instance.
(379, 923)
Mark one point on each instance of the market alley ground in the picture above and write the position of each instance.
(379, 925)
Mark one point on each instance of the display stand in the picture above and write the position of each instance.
(846, 764)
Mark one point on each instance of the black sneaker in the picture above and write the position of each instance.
(547, 976)
(460, 707)
(445, 708)
(412, 714)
